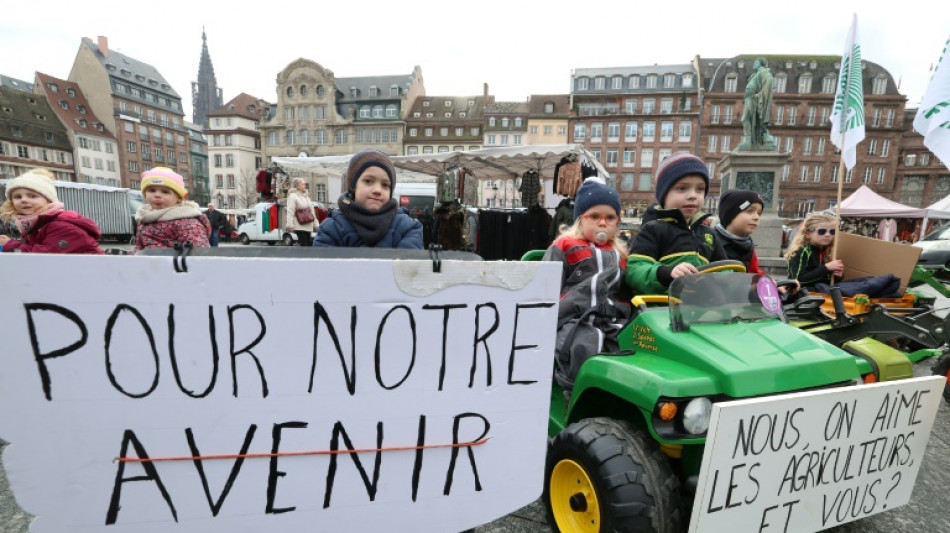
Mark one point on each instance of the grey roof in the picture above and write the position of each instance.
(33, 117)
(14, 83)
(507, 108)
(791, 66)
(628, 71)
(363, 84)
(127, 69)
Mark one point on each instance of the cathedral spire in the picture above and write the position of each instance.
(205, 94)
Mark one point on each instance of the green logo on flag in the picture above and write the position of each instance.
(849, 102)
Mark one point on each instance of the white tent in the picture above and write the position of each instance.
(866, 203)
(485, 164)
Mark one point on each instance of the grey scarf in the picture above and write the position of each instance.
(370, 225)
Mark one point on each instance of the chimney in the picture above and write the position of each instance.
(104, 46)
(485, 85)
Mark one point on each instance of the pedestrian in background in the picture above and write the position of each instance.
(217, 221)
(297, 199)
(167, 218)
(44, 224)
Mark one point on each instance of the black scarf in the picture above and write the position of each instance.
(742, 243)
(371, 226)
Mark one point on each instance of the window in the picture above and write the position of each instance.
(428, 132)
(616, 82)
(291, 137)
(229, 160)
(669, 81)
(879, 85)
(779, 115)
(867, 175)
(781, 81)
(491, 139)
(391, 111)
(806, 146)
(714, 114)
(130, 147)
(630, 106)
(829, 83)
(630, 131)
(789, 144)
(365, 111)
(816, 174)
(649, 104)
(580, 132)
(645, 183)
(413, 132)
(612, 158)
(811, 115)
(613, 131)
(443, 132)
(881, 175)
(687, 80)
(133, 166)
(889, 121)
(651, 81)
(730, 83)
(646, 158)
(426, 149)
(885, 147)
(474, 131)
(666, 105)
(872, 146)
(821, 146)
(726, 143)
(582, 83)
(666, 131)
(727, 114)
(629, 157)
(713, 142)
(686, 131)
(804, 174)
(304, 136)
(649, 131)
(804, 84)
(599, 83)
(413, 150)
(341, 136)
(626, 181)
(547, 130)
(791, 115)
(504, 139)
(517, 140)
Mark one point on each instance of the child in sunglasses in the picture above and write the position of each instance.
(593, 306)
(810, 263)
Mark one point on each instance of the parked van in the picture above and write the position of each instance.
(260, 226)
(412, 196)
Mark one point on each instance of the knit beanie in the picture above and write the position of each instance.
(365, 158)
(164, 177)
(675, 168)
(595, 192)
(39, 180)
(735, 201)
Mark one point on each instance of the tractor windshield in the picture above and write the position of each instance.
(723, 298)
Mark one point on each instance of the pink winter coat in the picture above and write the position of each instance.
(63, 232)
(163, 228)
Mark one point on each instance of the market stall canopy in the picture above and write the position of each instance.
(866, 203)
(939, 209)
(501, 162)
(335, 165)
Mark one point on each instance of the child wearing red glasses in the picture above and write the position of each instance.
(809, 262)
(593, 306)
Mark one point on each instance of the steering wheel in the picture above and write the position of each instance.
(727, 265)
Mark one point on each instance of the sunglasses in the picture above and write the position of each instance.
(822, 231)
(596, 218)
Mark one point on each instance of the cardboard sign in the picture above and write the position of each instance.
(864, 256)
(810, 461)
(274, 394)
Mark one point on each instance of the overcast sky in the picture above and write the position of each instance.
(517, 48)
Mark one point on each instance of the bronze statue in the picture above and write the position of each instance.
(758, 109)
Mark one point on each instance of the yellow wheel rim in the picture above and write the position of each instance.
(573, 499)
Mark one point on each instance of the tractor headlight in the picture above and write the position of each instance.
(696, 415)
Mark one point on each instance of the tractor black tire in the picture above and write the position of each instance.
(942, 368)
(623, 482)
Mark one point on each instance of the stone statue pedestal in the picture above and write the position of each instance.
(760, 171)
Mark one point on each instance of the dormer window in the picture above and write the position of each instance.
(471, 103)
(373, 91)
(448, 103)
(64, 104)
(251, 109)
(53, 88)
(152, 82)
(71, 92)
(320, 90)
(126, 72)
(165, 86)
(394, 90)
(416, 114)
(303, 90)
(110, 67)
(290, 92)
(41, 117)
(139, 77)
(354, 92)
(82, 122)
(31, 101)
(448, 114)
(461, 114)
(425, 103)
(81, 108)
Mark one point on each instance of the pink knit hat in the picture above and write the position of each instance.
(164, 177)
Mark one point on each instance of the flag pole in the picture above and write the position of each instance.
(841, 174)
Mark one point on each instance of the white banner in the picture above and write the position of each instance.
(810, 461)
(933, 116)
(250, 395)
(847, 114)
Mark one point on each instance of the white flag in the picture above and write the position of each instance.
(933, 116)
(847, 116)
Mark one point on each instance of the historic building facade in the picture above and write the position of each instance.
(138, 106)
(318, 114)
(199, 164)
(234, 151)
(30, 134)
(548, 118)
(631, 118)
(802, 99)
(95, 151)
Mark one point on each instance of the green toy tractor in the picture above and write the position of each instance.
(627, 441)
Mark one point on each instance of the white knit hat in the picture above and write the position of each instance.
(39, 180)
